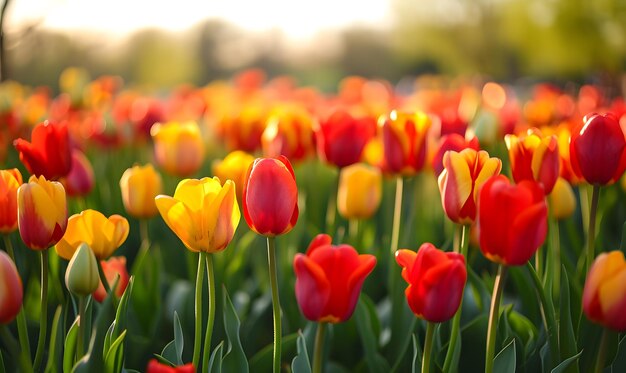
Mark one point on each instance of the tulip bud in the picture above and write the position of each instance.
(341, 138)
(404, 141)
(139, 186)
(604, 295)
(436, 281)
(49, 153)
(234, 167)
(80, 180)
(113, 268)
(10, 181)
(81, 275)
(11, 291)
(178, 147)
(562, 201)
(360, 191)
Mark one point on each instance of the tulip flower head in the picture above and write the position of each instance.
(341, 138)
(80, 180)
(598, 149)
(404, 141)
(270, 196)
(534, 157)
(139, 186)
(178, 147)
(113, 268)
(460, 181)
(81, 275)
(562, 200)
(234, 167)
(289, 132)
(42, 212)
(360, 191)
(49, 152)
(604, 295)
(512, 220)
(455, 142)
(103, 235)
(154, 366)
(203, 213)
(329, 279)
(10, 181)
(436, 281)
(11, 291)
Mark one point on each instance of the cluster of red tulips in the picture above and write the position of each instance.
(368, 140)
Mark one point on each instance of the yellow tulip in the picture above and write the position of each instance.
(360, 191)
(41, 212)
(104, 235)
(139, 186)
(178, 147)
(202, 213)
(234, 167)
(562, 200)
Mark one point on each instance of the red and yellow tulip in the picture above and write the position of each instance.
(404, 141)
(10, 181)
(604, 295)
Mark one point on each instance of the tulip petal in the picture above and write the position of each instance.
(179, 219)
(312, 287)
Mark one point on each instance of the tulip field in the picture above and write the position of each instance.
(257, 225)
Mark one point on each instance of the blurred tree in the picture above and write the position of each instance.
(3, 66)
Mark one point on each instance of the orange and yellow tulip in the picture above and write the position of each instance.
(103, 235)
(178, 147)
(202, 213)
(139, 186)
(360, 191)
(604, 295)
(234, 167)
(10, 181)
(42, 212)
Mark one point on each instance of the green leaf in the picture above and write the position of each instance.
(122, 307)
(567, 337)
(108, 338)
(215, 362)
(169, 353)
(567, 364)
(262, 360)
(235, 359)
(55, 337)
(523, 328)
(374, 360)
(2, 369)
(417, 355)
(146, 299)
(300, 363)
(71, 339)
(163, 359)
(619, 364)
(505, 361)
(179, 339)
(115, 357)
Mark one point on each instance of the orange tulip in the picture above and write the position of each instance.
(604, 295)
(289, 132)
(139, 186)
(10, 181)
(113, 268)
(178, 147)
(234, 167)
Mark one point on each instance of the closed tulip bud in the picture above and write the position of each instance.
(562, 200)
(11, 291)
(139, 186)
(341, 138)
(203, 213)
(598, 149)
(10, 181)
(329, 279)
(360, 191)
(154, 366)
(460, 181)
(604, 295)
(436, 281)
(80, 180)
(270, 196)
(103, 235)
(512, 220)
(81, 275)
(49, 153)
(114, 270)
(404, 141)
(42, 212)
(534, 157)
(234, 167)
(178, 147)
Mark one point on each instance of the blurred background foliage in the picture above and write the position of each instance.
(555, 40)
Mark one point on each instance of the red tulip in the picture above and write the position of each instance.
(11, 291)
(81, 179)
(49, 153)
(113, 267)
(341, 138)
(270, 196)
(155, 367)
(512, 220)
(404, 141)
(329, 279)
(436, 281)
(598, 149)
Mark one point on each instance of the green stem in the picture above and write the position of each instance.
(197, 343)
(456, 321)
(103, 278)
(271, 257)
(591, 232)
(397, 213)
(43, 322)
(428, 346)
(80, 350)
(143, 235)
(353, 231)
(493, 318)
(547, 313)
(602, 352)
(22, 326)
(319, 347)
(209, 327)
(555, 251)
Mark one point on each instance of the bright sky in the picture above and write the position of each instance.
(297, 18)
